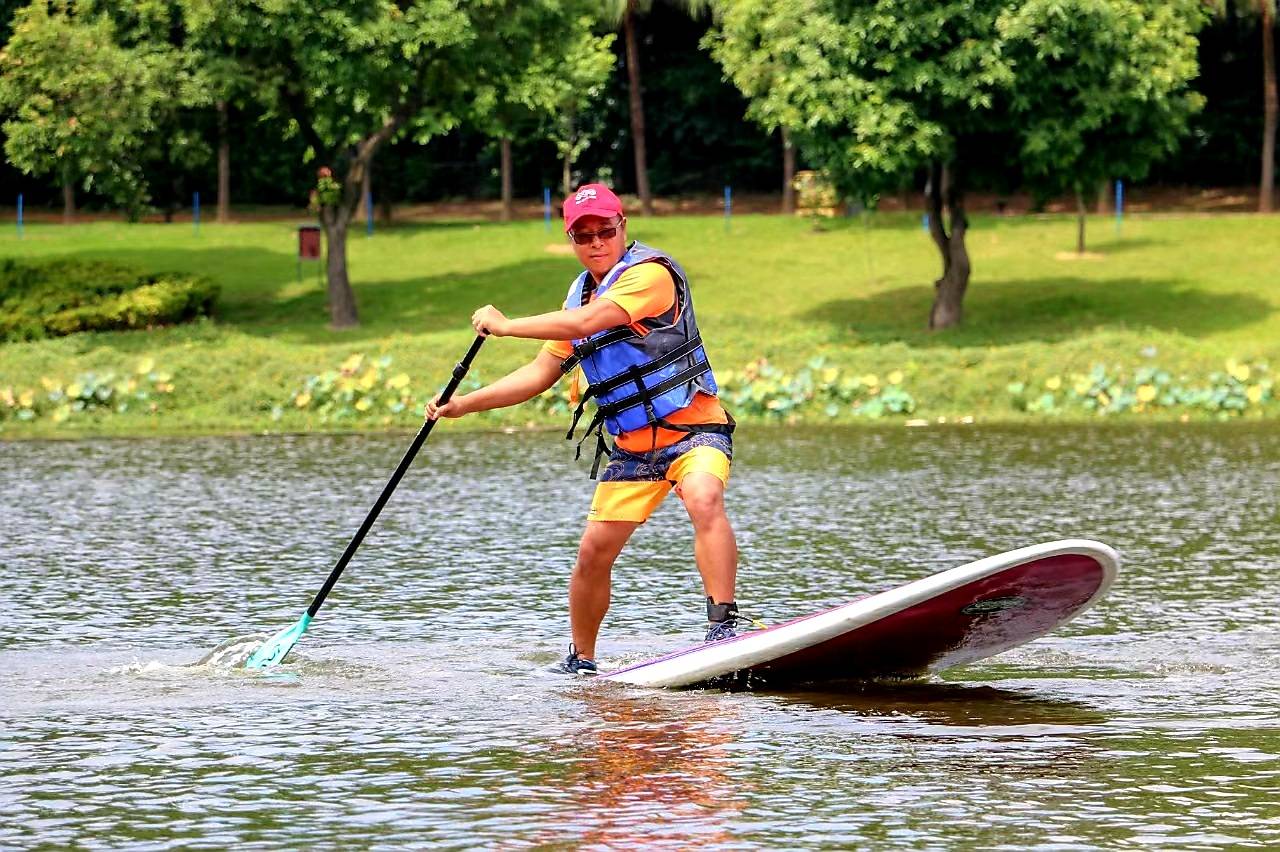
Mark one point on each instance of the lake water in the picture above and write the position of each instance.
(418, 710)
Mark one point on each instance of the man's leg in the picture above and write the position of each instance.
(589, 585)
(714, 546)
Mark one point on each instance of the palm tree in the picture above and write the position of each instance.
(1266, 190)
(788, 172)
(626, 12)
(1266, 12)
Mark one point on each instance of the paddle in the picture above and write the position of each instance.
(274, 650)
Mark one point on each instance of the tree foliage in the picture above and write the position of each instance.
(81, 101)
(972, 91)
(1102, 87)
(556, 67)
(350, 76)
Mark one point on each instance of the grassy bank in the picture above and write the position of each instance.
(1179, 296)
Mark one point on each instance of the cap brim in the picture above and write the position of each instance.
(578, 215)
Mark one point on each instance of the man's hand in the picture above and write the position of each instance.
(489, 320)
(455, 407)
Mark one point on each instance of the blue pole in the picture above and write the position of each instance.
(546, 207)
(195, 212)
(368, 213)
(1119, 205)
(728, 206)
(19, 215)
(924, 222)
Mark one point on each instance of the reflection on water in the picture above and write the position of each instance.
(134, 577)
(953, 706)
(648, 770)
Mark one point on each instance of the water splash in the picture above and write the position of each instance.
(229, 656)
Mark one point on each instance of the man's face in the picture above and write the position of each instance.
(599, 253)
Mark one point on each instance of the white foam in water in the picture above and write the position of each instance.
(229, 655)
(149, 667)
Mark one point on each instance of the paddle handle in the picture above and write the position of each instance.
(459, 372)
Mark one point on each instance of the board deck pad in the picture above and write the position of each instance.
(952, 618)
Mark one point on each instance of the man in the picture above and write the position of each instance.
(629, 323)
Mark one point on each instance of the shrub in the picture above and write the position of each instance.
(66, 296)
(762, 390)
(108, 392)
(1227, 393)
(362, 388)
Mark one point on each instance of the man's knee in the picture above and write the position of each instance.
(703, 497)
(591, 556)
(598, 549)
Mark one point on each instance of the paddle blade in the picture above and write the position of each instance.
(273, 651)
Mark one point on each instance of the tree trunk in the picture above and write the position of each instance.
(571, 137)
(68, 197)
(336, 219)
(171, 209)
(637, 107)
(342, 301)
(788, 174)
(224, 165)
(949, 290)
(366, 194)
(1266, 193)
(384, 202)
(1080, 220)
(507, 194)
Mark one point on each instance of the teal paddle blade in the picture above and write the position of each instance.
(273, 651)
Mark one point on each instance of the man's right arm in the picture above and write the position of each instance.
(512, 389)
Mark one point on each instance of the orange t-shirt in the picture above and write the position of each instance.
(647, 290)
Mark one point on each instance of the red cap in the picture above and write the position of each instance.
(591, 199)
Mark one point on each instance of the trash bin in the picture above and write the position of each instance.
(308, 245)
(309, 242)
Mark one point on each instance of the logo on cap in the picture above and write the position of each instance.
(584, 195)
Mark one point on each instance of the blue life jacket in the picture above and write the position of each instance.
(638, 380)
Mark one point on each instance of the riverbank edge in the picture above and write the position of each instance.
(17, 433)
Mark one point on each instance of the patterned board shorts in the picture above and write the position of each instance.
(633, 485)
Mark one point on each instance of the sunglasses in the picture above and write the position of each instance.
(584, 238)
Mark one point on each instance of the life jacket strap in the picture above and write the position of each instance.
(684, 350)
(635, 375)
(591, 345)
(688, 374)
(725, 428)
(602, 446)
(603, 449)
(577, 412)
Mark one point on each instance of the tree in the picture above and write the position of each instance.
(881, 89)
(1266, 12)
(229, 88)
(788, 172)
(81, 105)
(626, 13)
(580, 83)
(1102, 90)
(556, 63)
(350, 76)
(178, 143)
(1266, 189)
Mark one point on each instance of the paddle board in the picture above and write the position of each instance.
(955, 617)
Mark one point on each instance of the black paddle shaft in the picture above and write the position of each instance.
(459, 371)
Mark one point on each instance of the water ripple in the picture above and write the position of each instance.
(135, 576)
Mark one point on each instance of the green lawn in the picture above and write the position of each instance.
(1183, 293)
